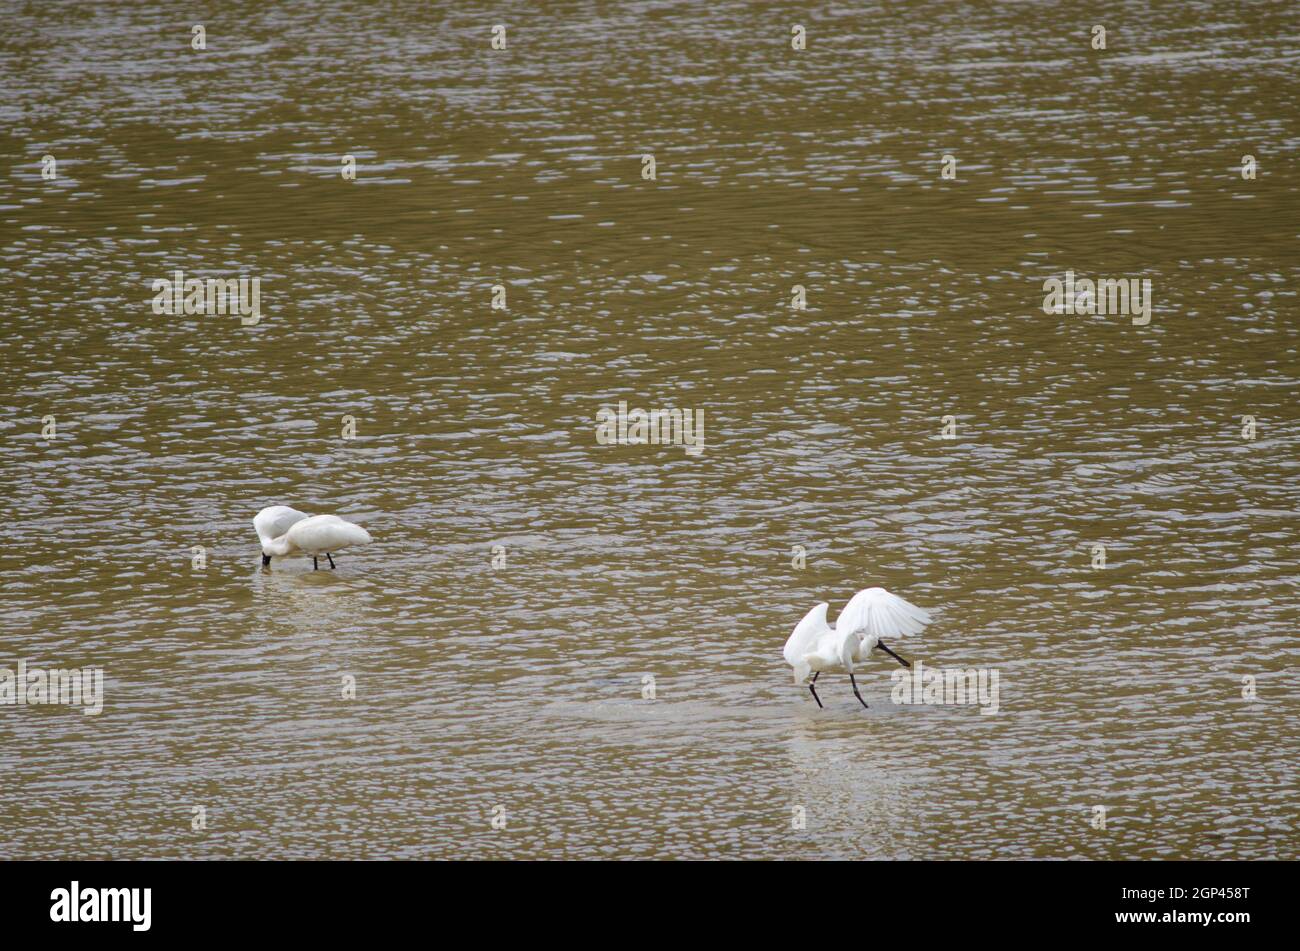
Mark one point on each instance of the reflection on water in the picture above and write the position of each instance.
(517, 689)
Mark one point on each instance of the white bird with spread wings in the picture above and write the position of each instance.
(871, 615)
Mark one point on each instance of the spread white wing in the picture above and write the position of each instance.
(875, 613)
(806, 633)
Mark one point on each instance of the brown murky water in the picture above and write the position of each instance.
(517, 690)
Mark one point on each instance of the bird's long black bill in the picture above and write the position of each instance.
(880, 646)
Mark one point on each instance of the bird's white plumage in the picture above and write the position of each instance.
(871, 614)
(874, 613)
(806, 634)
(273, 521)
(323, 533)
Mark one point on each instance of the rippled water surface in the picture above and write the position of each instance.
(516, 691)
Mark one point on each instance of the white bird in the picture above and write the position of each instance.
(870, 615)
(286, 531)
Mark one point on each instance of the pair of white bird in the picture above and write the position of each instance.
(285, 531)
(870, 615)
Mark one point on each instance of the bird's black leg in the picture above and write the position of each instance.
(814, 691)
(856, 694)
(881, 646)
(332, 565)
(314, 564)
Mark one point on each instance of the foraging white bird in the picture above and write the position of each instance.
(870, 615)
(286, 531)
